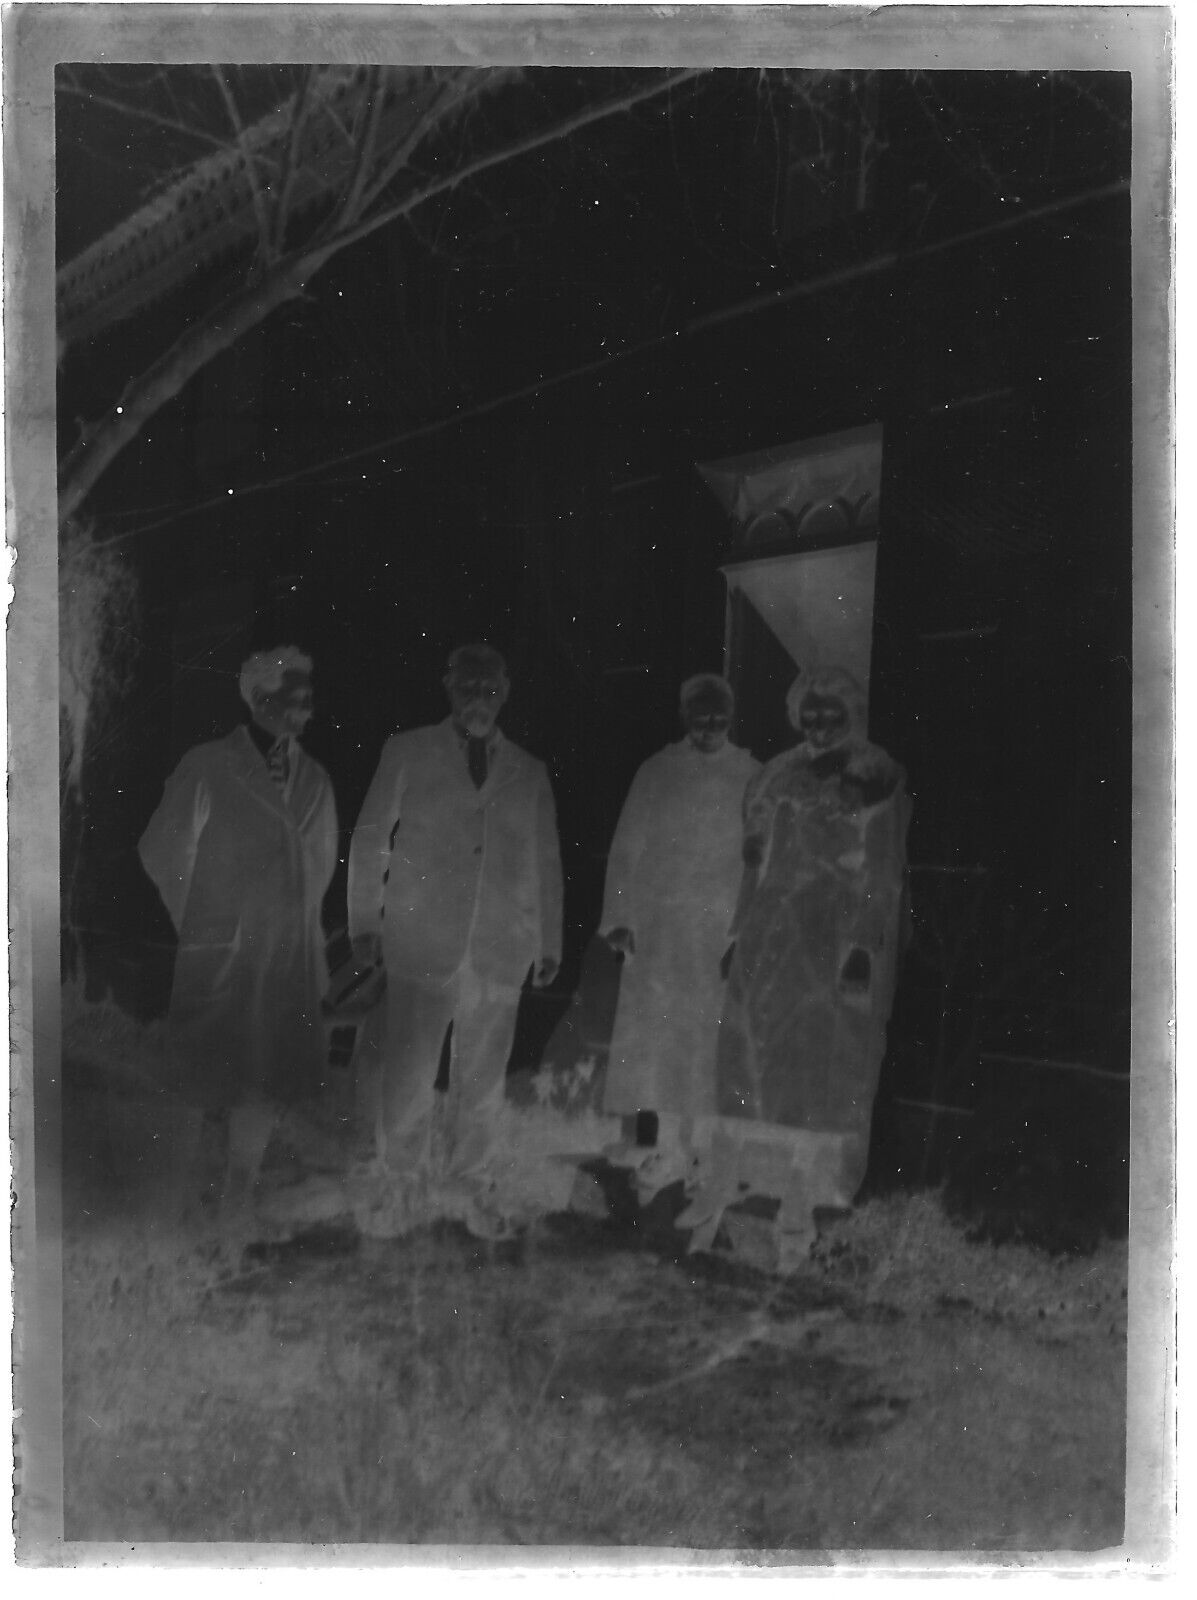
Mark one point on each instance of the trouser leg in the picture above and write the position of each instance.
(185, 1166)
(483, 1032)
(367, 1072)
(418, 1016)
(250, 1127)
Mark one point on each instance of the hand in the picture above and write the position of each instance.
(547, 969)
(622, 941)
(726, 960)
(367, 949)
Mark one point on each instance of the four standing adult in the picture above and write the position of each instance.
(455, 887)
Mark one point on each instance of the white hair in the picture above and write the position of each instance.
(481, 658)
(263, 673)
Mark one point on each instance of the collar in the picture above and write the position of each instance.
(493, 739)
(264, 744)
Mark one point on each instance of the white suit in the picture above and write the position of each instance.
(673, 874)
(242, 868)
(469, 895)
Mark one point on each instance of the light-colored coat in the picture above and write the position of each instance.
(471, 872)
(242, 870)
(801, 1045)
(672, 876)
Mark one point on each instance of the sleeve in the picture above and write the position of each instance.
(370, 847)
(170, 843)
(627, 850)
(548, 863)
(320, 838)
(759, 805)
(757, 811)
(324, 863)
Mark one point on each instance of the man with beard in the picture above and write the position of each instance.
(455, 884)
(242, 849)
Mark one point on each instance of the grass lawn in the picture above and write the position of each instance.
(906, 1390)
(588, 1385)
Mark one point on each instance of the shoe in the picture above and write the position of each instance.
(623, 1153)
(393, 1209)
(312, 1201)
(663, 1168)
(485, 1221)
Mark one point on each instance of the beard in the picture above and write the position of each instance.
(477, 720)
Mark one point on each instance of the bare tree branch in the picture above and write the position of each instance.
(129, 109)
(298, 123)
(520, 147)
(265, 236)
(342, 221)
(444, 102)
(374, 97)
(809, 286)
(281, 280)
(403, 154)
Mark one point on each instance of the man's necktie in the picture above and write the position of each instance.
(279, 761)
(476, 756)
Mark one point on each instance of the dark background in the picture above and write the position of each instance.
(946, 254)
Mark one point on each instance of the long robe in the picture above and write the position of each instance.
(672, 876)
(242, 868)
(801, 1044)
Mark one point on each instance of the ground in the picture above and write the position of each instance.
(588, 1385)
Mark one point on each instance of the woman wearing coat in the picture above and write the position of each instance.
(817, 930)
